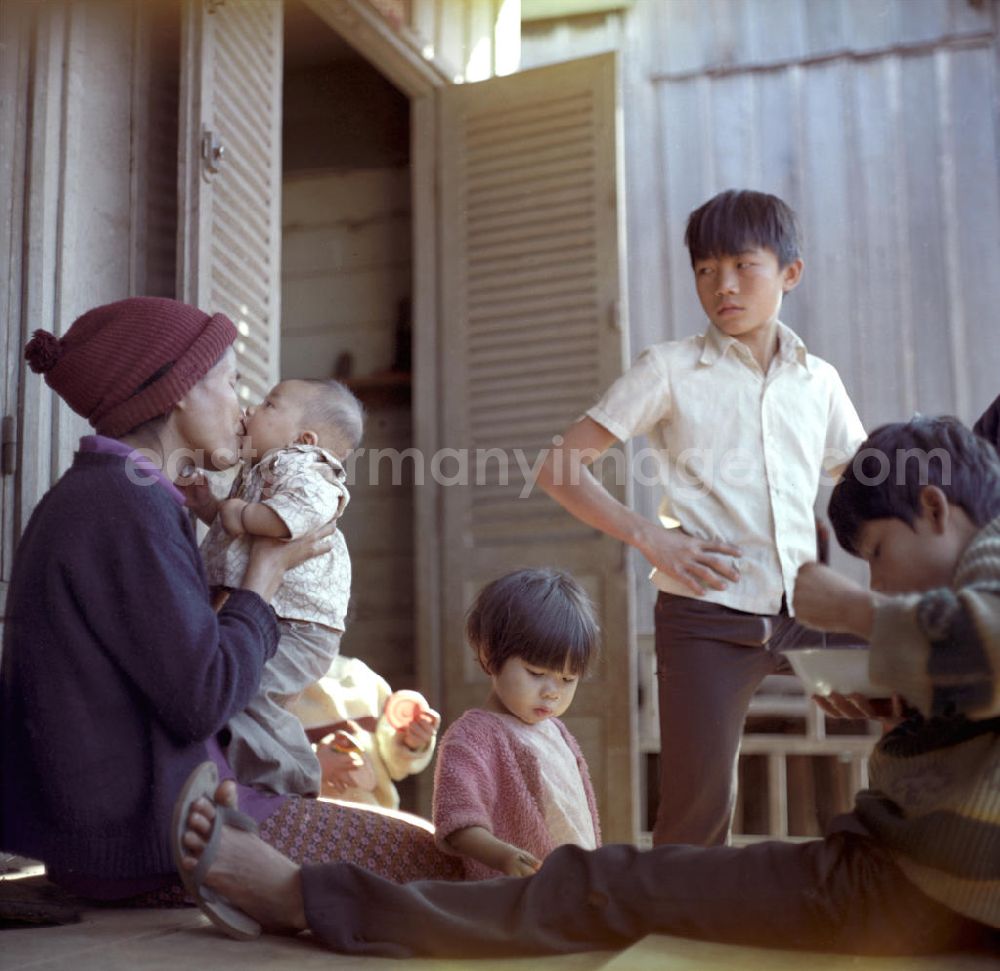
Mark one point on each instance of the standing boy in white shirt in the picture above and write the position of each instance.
(743, 421)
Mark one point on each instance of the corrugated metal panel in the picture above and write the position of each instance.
(697, 36)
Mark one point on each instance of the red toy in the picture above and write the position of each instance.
(403, 708)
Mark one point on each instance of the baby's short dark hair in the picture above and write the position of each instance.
(334, 407)
(738, 220)
(543, 617)
(885, 477)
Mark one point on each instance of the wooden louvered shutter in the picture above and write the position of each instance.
(532, 334)
(230, 218)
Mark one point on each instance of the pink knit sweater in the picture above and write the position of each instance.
(486, 776)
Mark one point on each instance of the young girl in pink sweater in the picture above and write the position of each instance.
(511, 783)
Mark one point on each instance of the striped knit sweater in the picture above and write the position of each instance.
(935, 796)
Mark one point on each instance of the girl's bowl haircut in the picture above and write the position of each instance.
(542, 616)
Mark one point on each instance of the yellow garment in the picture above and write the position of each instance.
(351, 689)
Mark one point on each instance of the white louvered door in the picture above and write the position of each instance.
(532, 333)
(229, 240)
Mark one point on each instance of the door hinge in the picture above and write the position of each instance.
(8, 446)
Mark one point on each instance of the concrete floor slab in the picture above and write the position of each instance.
(661, 953)
(166, 940)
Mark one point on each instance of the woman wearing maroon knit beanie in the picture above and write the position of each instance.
(117, 674)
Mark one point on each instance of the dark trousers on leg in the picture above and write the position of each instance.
(710, 660)
(843, 893)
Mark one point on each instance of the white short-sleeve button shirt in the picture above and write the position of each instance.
(740, 453)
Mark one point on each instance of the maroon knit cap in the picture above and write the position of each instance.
(127, 362)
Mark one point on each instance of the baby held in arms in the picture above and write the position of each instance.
(511, 783)
(292, 480)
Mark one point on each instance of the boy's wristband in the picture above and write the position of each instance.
(243, 509)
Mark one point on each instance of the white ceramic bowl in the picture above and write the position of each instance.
(826, 669)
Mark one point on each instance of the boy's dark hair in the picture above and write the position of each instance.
(541, 616)
(885, 477)
(988, 424)
(333, 405)
(738, 220)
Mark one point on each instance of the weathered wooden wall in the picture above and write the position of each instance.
(345, 270)
(90, 214)
(346, 273)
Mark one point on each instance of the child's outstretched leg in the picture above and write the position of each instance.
(840, 894)
(843, 894)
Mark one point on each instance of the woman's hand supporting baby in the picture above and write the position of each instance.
(271, 558)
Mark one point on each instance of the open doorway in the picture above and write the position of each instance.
(346, 280)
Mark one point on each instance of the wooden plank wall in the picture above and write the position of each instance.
(92, 225)
(87, 222)
(346, 272)
(878, 121)
(345, 268)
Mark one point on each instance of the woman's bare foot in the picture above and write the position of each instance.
(248, 872)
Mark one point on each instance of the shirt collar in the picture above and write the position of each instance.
(325, 453)
(791, 347)
(139, 464)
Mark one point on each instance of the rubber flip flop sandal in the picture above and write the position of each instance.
(203, 781)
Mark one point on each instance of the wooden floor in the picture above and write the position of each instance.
(121, 940)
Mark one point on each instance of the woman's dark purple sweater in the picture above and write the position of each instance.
(115, 672)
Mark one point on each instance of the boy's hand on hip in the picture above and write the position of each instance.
(825, 600)
(691, 560)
